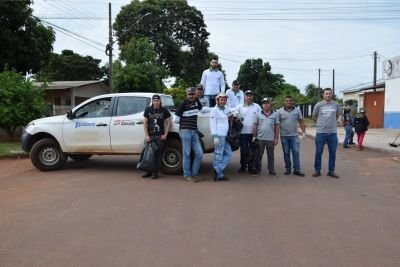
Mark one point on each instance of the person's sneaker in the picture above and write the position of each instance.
(154, 176)
(189, 178)
(359, 149)
(196, 179)
(224, 178)
(272, 173)
(256, 173)
(299, 173)
(352, 143)
(346, 147)
(316, 174)
(242, 169)
(287, 172)
(146, 175)
(333, 175)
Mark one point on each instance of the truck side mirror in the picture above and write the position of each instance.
(70, 115)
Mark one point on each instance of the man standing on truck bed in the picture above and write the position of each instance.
(213, 81)
(186, 116)
(154, 130)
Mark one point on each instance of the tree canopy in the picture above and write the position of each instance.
(25, 43)
(137, 70)
(69, 66)
(20, 101)
(313, 93)
(176, 29)
(257, 76)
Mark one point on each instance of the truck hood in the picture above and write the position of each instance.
(53, 119)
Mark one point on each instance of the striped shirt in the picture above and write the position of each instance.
(187, 111)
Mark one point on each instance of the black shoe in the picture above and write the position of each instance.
(272, 173)
(333, 175)
(147, 175)
(223, 178)
(346, 147)
(352, 143)
(242, 169)
(287, 172)
(316, 174)
(154, 176)
(299, 173)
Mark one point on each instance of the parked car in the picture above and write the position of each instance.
(109, 124)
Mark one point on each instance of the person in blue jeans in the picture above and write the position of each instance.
(219, 126)
(347, 119)
(186, 116)
(289, 117)
(325, 114)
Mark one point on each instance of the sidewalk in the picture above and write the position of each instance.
(375, 139)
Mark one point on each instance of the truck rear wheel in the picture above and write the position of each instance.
(171, 160)
(46, 155)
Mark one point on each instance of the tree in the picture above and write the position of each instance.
(26, 43)
(176, 30)
(69, 66)
(289, 90)
(137, 70)
(20, 101)
(257, 76)
(313, 93)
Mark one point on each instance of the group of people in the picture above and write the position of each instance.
(261, 126)
(359, 122)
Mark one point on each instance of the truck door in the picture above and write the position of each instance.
(89, 130)
(127, 134)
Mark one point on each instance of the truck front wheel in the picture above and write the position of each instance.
(171, 160)
(46, 155)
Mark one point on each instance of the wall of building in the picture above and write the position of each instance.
(89, 91)
(392, 104)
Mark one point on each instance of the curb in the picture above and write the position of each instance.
(365, 147)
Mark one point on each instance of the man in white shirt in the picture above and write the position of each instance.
(248, 112)
(235, 95)
(219, 126)
(213, 81)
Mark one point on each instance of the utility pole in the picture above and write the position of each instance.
(110, 50)
(319, 82)
(375, 59)
(333, 83)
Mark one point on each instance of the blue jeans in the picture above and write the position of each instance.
(222, 156)
(349, 135)
(291, 143)
(332, 140)
(190, 141)
(211, 100)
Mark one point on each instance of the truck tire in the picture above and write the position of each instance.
(46, 155)
(80, 157)
(171, 160)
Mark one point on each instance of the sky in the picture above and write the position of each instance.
(296, 37)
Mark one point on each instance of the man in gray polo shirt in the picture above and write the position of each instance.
(266, 130)
(325, 114)
(289, 117)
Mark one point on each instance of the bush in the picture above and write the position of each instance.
(20, 101)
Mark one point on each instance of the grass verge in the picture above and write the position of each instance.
(11, 149)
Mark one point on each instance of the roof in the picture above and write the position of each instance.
(62, 85)
(364, 86)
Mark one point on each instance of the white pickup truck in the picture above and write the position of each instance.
(109, 124)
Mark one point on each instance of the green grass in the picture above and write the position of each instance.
(7, 146)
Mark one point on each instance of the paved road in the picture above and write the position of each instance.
(101, 213)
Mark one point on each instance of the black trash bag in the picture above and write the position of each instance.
(254, 154)
(148, 158)
(233, 137)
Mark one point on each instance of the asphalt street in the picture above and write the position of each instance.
(102, 213)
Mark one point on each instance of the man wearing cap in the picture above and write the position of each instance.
(266, 130)
(219, 126)
(200, 95)
(248, 112)
(213, 81)
(325, 114)
(235, 95)
(289, 117)
(186, 116)
(155, 117)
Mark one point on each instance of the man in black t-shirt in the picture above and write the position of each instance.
(155, 129)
